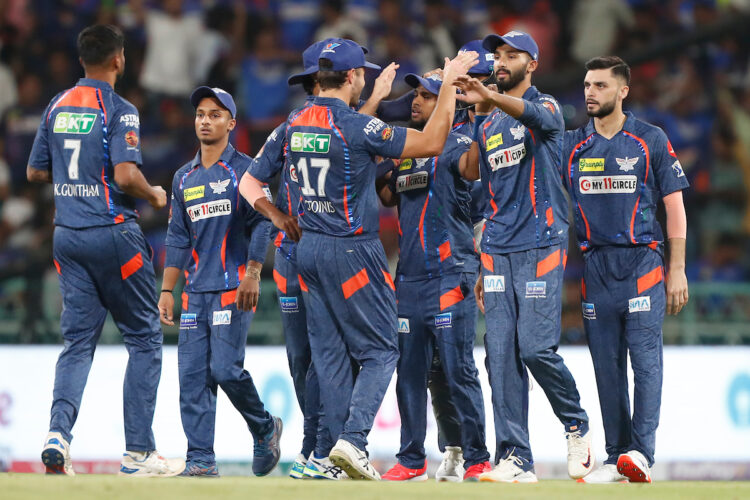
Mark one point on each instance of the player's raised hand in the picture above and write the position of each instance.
(384, 82)
(288, 224)
(479, 293)
(459, 65)
(158, 197)
(166, 308)
(677, 290)
(474, 91)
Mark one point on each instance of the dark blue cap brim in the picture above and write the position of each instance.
(299, 77)
(414, 81)
(372, 66)
(492, 42)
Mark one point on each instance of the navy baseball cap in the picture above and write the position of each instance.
(224, 97)
(516, 39)
(431, 84)
(309, 61)
(345, 55)
(486, 62)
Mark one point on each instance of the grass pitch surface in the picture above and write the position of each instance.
(91, 486)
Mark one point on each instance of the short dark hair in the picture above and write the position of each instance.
(97, 43)
(308, 84)
(619, 67)
(329, 79)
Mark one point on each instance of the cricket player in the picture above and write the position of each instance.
(524, 245)
(88, 147)
(348, 291)
(220, 242)
(437, 310)
(617, 168)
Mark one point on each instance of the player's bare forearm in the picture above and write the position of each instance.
(131, 180)
(511, 105)
(40, 176)
(469, 163)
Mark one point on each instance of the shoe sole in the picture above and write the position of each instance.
(152, 474)
(341, 460)
(522, 481)
(449, 479)
(629, 469)
(278, 457)
(415, 479)
(53, 460)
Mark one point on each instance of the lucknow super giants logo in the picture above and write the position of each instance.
(738, 399)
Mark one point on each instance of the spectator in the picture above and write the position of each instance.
(336, 24)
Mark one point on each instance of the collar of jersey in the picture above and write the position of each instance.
(225, 156)
(330, 102)
(628, 126)
(90, 82)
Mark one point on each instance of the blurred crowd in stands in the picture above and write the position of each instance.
(691, 76)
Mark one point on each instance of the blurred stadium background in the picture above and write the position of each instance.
(691, 76)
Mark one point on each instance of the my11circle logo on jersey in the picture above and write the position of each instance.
(607, 184)
(210, 209)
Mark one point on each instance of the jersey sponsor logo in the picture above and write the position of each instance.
(639, 304)
(444, 320)
(188, 320)
(403, 325)
(494, 141)
(373, 126)
(289, 304)
(507, 157)
(591, 165)
(607, 184)
(536, 289)
(193, 193)
(320, 206)
(222, 318)
(405, 164)
(74, 123)
(219, 186)
(80, 190)
(293, 173)
(627, 164)
(307, 142)
(131, 120)
(387, 133)
(132, 139)
(494, 283)
(411, 181)
(589, 311)
(518, 132)
(464, 140)
(677, 167)
(550, 107)
(209, 209)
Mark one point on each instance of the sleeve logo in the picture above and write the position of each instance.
(132, 139)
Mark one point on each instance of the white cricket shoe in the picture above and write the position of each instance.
(452, 467)
(298, 467)
(56, 455)
(605, 474)
(509, 471)
(353, 460)
(323, 468)
(580, 458)
(634, 466)
(149, 464)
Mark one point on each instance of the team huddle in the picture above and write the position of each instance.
(482, 178)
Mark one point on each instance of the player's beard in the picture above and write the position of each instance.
(512, 81)
(605, 109)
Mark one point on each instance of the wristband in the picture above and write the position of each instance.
(164, 290)
(252, 273)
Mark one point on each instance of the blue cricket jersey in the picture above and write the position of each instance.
(436, 236)
(213, 231)
(85, 131)
(332, 148)
(615, 184)
(525, 204)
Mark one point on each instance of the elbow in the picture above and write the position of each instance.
(123, 178)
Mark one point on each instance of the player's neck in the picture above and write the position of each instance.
(608, 126)
(342, 93)
(109, 77)
(211, 153)
(519, 90)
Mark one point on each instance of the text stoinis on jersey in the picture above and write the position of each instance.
(210, 209)
(507, 157)
(607, 184)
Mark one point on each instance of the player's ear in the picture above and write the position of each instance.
(351, 75)
(232, 123)
(624, 90)
(531, 67)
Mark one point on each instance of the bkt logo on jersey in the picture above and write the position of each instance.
(494, 283)
(403, 325)
(303, 142)
(210, 209)
(639, 304)
(74, 123)
(411, 181)
(507, 157)
(607, 184)
(444, 320)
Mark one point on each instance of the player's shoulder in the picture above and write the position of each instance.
(457, 139)
(180, 173)
(652, 134)
(575, 136)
